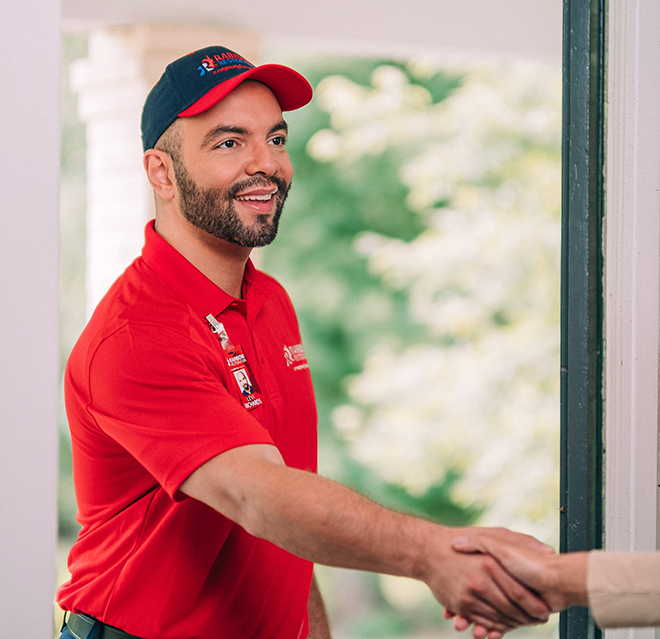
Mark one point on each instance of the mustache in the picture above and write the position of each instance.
(259, 182)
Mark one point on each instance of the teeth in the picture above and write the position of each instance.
(257, 198)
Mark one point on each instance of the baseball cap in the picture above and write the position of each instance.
(198, 81)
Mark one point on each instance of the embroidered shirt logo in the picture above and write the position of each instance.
(295, 356)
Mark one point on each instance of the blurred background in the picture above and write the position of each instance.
(421, 247)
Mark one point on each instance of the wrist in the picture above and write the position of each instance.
(431, 545)
(571, 578)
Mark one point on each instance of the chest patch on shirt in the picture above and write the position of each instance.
(238, 366)
(295, 356)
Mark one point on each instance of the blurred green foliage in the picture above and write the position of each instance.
(343, 309)
(72, 257)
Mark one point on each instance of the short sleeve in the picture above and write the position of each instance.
(164, 398)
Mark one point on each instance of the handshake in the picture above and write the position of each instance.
(514, 580)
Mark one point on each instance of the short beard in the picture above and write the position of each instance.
(213, 210)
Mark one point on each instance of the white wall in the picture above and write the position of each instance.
(29, 182)
(632, 277)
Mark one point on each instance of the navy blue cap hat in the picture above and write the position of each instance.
(198, 81)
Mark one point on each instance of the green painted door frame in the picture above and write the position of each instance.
(581, 487)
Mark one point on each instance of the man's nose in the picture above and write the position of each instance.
(262, 160)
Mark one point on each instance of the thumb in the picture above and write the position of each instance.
(469, 545)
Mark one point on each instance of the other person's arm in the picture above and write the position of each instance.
(622, 589)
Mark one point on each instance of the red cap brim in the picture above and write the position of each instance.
(289, 87)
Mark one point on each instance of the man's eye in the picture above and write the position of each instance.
(280, 140)
(227, 144)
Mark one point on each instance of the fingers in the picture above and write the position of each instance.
(527, 566)
(469, 544)
(521, 598)
(509, 606)
(481, 613)
(512, 537)
(481, 632)
(492, 598)
(478, 632)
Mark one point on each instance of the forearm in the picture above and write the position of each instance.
(327, 523)
(319, 626)
(316, 518)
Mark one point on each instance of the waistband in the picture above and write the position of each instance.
(81, 626)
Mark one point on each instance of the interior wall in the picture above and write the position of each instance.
(29, 183)
(632, 281)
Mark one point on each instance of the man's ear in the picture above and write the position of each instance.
(160, 173)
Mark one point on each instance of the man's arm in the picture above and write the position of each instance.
(325, 522)
(319, 626)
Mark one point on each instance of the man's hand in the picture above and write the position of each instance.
(559, 579)
(498, 536)
(486, 594)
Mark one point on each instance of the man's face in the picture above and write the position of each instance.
(233, 171)
(242, 380)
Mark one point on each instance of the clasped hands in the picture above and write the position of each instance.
(528, 581)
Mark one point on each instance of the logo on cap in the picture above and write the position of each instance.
(223, 62)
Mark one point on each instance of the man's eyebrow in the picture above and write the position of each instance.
(223, 129)
(280, 126)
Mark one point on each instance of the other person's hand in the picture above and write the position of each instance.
(482, 591)
(559, 579)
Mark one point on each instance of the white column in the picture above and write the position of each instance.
(112, 83)
(632, 281)
(29, 182)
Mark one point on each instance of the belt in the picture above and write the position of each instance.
(80, 626)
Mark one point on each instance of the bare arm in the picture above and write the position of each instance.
(327, 523)
(319, 626)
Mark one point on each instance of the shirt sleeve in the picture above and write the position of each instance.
(165, 400)
(624, 588)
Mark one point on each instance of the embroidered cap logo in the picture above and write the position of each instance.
(223, 62)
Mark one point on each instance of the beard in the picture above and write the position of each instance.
(214, 210)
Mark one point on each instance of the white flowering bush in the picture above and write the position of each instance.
(477, 391)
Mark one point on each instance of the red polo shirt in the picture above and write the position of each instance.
(169, 372)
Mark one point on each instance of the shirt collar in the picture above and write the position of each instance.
(198, 290)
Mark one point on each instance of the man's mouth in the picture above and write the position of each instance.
(261, 195)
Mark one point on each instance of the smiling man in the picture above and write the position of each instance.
(200, 505)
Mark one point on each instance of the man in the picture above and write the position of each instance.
(201, 510)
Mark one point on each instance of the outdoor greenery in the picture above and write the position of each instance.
(420, 246)
(72, 259)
